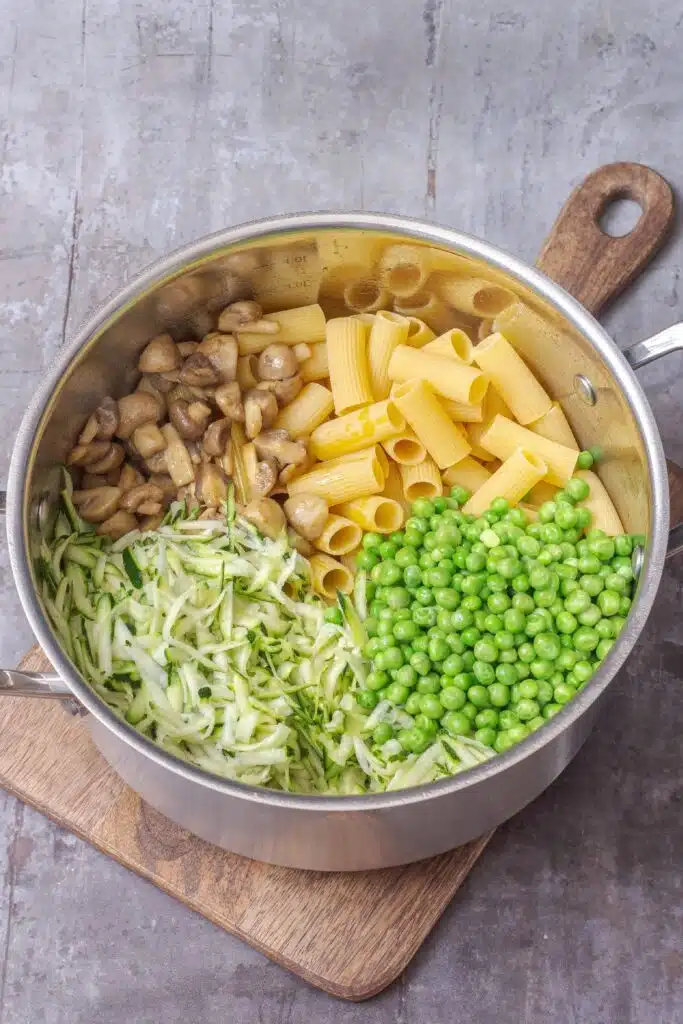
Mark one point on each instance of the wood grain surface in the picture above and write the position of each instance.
(592, 265)
(349, 934)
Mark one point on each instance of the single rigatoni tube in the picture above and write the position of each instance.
(474, 295)
(328, 577)
(540, 493)
(516, 476)
(421, 481)
(419, 334)
(454, 344)
(357, 430)
(365, 295)
(555, 427)
(467, 473)
(439, 434)
(406, 448)
(365, 318)
(492, 406)
(316, 367)
(375, 451)
(448, 377)
(503, 437)
(388, 330)
(403, 269)
(304, 323)
(308, 410)
(393, 488)
(464, 412)
(600, 505)
(340, 535)
(512, 378)
(377, 513)
(342, 481)
(348, 359)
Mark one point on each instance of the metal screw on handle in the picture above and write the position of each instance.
(48, 685)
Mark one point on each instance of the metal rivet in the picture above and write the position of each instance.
(41, 510)
(585, 389)
(637, 559)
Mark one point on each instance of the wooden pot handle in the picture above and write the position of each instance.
(593, 266)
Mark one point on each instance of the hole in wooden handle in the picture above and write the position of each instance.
(620, 216)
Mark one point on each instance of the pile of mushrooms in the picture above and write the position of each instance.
(200, 414)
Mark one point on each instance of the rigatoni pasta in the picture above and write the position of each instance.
(448, 377)
(439, 434)
(329, 577)
(303, 323)
(454, 344)
(388, 330)
(512, 378)
(600, 505)
(405, 448)
(357, 430)
(554, 426)
(377, 513)
(342, 480)
(503, 437)
(512, 481)
(403, 269)
(492, 406)
(316, 367)
(339, 536)
(464, 412)
(311, 407)
(467, 473)
(474, 295)
(348, 362)
(419, 334)
(421, 481)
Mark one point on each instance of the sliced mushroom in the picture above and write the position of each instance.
(266, 515)
(152, 522)
(160, 355)
(200, 412)
(276, 444)
(155, 385)
(88, 454)
(187, 495)
(165, 485)
(226, 461)
(182, 393)
(303, 546)
(260, 411)
(229, 401)
(277, 362)
(302, 351)
(111, 459)
(92, 480)
(118, 525)
(211, 487)
(177, 458)
(196, 453)
(292, 470)
(130, 477)
(221, 351)
(149, 508)
(186, 425)
(148, 440)
(102, 424)
(247, 369)
(199, 371)
(217, 437)
(98, 504)
(136, 409)
(238, 315)
(136, 496)
(285, 391)
(157, 463)
(187, 348)
(308, 514)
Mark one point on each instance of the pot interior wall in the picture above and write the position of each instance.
(340, 268)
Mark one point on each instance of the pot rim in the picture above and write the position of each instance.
(253, 231)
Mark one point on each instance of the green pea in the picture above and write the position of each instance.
(372, 540)
(625, 606)
(505, 674)
(457, 724)
(563, 693)
(412, 704)
(499, 694)
(431, 706)
(623, 545)
(589, 564)
(590, 616)
(452, 665)
(485, 650)
(447, 597)
(406, 676)
(528, 689)
(430, 683)
(583, 670)
(541, 668)
(539, 577)
(468, 660)
(487, 718)
(463, 680)
(485, 736)
(497, 585)
(382, 733)
(462, 618)
(526, 652)
(527, 709)
(528, 546)
(545, 692)
(498, 603)
(547, 646)
(367, 699)
(502, 742)
(397, 693)
(514, 620)
(566, 517)
(547, 511)
(389, 574)
(452, 698)
(424, 617)
(507, 719)
(577, 601)
(484, 672)
(478, 695)
(585, 460)
(393, 657)
(428, 725)
(455, 643)
(605, 629)
(517, 733)
(438, 649)
(470, 636)
(421, 663)
(413, 539)
(507, 657)
(604, 647)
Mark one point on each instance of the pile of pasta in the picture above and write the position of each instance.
(393, 413)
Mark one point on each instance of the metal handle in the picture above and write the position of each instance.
(33, 684)
(644, 352)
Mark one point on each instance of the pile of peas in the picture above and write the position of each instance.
(486, 626)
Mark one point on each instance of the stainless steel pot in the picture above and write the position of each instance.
(333, 257)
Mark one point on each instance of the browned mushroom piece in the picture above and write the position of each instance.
(188, 427)
(148, 440)
(264, 478)
(177, 458)
(157, 463)
(217, 437)
(87, 454)
(229, 401)
(149, 508)
(200, 412)
(266, 515)
(260, 411)
(199, 371)
(285, 391)
(155, 385)
(102, 424)
(221, 351)
(136, 409)
(118, 525)
(160, 355)
(111, 459)
(152, 522)
(307, 513)
(137, 496)
(96, 505)
(276, 444)
(165, 485)
(303, 546)
(187, 348)
(92, 480)
(277, 362)
(196, 453)
(238, 315)
(130, 477)
(211, 487)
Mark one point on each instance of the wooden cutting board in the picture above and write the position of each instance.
(349, 934)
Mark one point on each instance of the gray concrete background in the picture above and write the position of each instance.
(128, 128)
